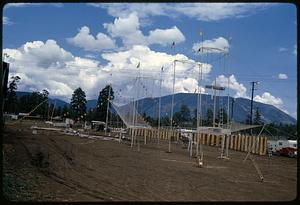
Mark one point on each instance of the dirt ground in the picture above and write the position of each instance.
(60, 167)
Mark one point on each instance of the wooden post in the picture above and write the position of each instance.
(261, 142)
(235, 142)
(243, 143)
(264, 146)
(218, 140)
(249, 143)
(145, 136)
(213, 139)
(253, 145)
(256, 145)
(239, 142)
(166, 134)
(208, 139)
(160, 135)
(246, 143)
(149, 135)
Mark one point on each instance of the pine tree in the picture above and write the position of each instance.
(11, 103)
(66, 112)
(209, 117)
(222, 110)
(102, 102)
(257, 117)
(78, 104)
(45, 106)
(248, 119)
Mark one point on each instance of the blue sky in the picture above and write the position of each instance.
(60, 47)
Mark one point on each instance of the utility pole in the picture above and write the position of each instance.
(172, 109)
(4, 71)
(253, 84)
(107, 107)
(214, 88)
(232, 103)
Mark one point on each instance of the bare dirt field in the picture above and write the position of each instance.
(53, 166)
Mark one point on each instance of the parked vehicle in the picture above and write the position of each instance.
(283, 147)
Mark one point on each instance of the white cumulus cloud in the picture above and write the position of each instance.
(239, 88)
(89, 43)
(216, 45)
(6, 21)
(128, 29)
(267, 98)
(282, 49)
(282, 76)
(45, 65)
(199, 11)
(165, 36)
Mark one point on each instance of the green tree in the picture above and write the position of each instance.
(78, 104)
(248, 119)
(102, 102)
(66, 111)
(11, 103)
(222, 110)
(165, 121)
(257, 117)
(183, 117)
(209, 118)
(45, 106)
(30, 101)
(58, 111)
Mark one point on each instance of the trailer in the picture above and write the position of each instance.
(283, 147)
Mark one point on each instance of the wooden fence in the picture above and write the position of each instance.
(238, 142)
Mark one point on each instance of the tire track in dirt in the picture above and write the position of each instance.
(71, 183)
(92, 176)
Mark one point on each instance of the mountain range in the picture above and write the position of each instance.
(241, 107)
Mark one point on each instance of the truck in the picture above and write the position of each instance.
(283, 147)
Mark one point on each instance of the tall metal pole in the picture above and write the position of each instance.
(214, 113)
(232, 103)
(133, 118)
(172, 108)
(137, 104)
(108, 98)
(199, 109)
(200, 102)
(136, 114)
(253, 83)
(159, 106)
(1, 96)
(227, 104)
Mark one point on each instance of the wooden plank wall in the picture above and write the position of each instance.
(238, 142)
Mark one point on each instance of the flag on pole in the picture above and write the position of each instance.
(138, 65)
(201, 33)
(173, 44)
